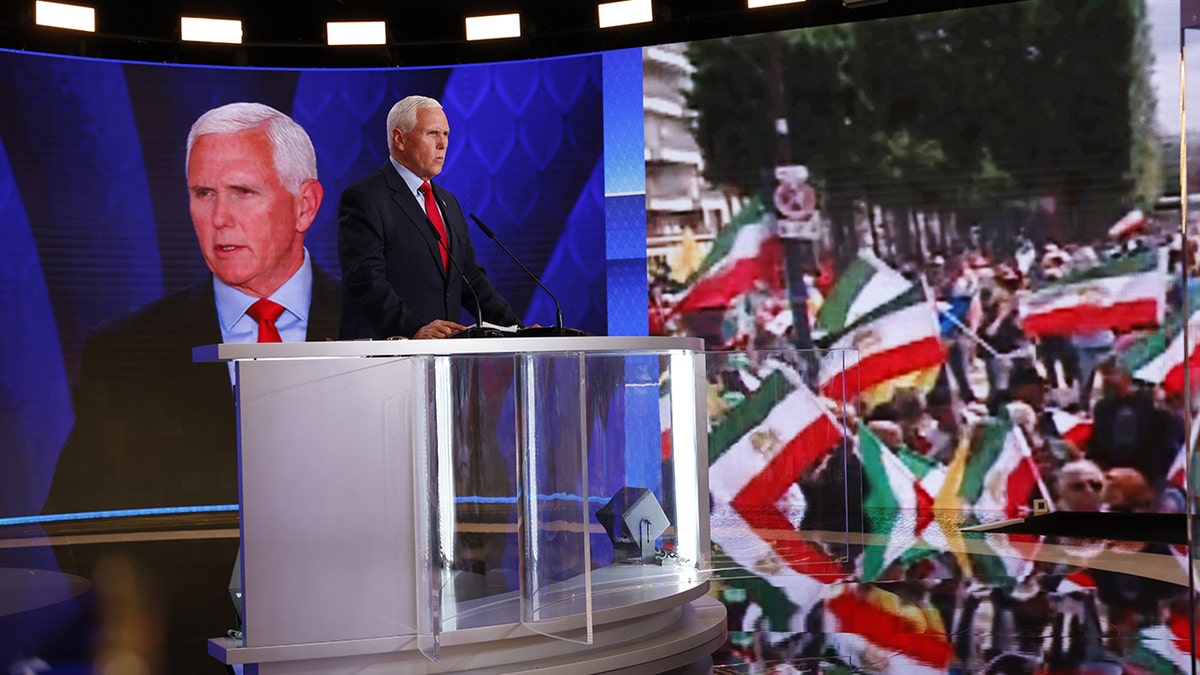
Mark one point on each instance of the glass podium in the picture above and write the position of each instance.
(457, 505)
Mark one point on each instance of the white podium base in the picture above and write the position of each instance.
(648, 644)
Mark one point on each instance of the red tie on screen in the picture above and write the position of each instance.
(265, 312)
(435, 216)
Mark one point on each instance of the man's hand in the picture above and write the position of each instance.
(437, 329)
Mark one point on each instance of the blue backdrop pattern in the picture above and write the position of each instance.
(94, 209)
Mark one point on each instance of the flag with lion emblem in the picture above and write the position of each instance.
(882, 333)
(1121, 294)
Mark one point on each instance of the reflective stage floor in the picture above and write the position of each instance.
(925, 598)
(928, 598)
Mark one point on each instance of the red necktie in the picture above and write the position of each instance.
(265, 312)
(435, 216)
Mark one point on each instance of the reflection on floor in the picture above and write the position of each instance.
(926, 598)
(946, 601)
(122, 595)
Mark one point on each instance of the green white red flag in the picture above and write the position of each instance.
(881, 331)
(897, 506)
(780, 433)
(881, 632)
(1071, 427)
(1165, 648)
(765, 443)
(1000, 476)
(742, 257)
(1158, 358)
(1120, 294)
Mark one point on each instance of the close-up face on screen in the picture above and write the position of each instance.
(859, 346)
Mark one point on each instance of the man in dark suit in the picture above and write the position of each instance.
(397, 234)
(152, 428)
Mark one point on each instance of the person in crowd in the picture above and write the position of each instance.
(947, 426)
(1126, 490)
(956, 290)
(1048, 454)
(400, 235)
(1090, 347)
(1027, 385)
(1001, 331)
(1129, 429)
(1057, 351)
(1078, 486)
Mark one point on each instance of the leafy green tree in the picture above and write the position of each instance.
(970, 112)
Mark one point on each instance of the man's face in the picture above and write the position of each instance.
(1080, 488)
(250, 229)
(422, 149)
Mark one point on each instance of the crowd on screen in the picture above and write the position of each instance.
(1100, 439)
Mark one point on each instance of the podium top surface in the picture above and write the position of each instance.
(464, 347)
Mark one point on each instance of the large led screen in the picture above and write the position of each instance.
(973, 204)
(96, 220)
(982, 206)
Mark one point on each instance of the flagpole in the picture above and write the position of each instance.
(931, 298)
(1027, 455)
(975, 336)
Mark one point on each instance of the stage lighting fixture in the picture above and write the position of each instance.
(493, 27)
(755, 4)
(197, 29)
(355, 32)
(625, 13)
(58, 15)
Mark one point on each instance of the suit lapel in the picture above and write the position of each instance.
(203, 324)
(412, 210)
(200, 314)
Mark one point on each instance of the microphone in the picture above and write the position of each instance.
(558, 329)
(477, 330)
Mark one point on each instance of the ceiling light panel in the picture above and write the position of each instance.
(493, 27)
(197, 29)
(58, 15)
(755, 4)
(356, 32)
(625, 13)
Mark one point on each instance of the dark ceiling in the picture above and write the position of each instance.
(278, 33)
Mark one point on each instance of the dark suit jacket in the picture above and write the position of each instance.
(392, 276)
(152, 428)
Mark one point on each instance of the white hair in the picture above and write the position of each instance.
(403, 115)
(292, 149)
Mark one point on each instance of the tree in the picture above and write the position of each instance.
(967, 111)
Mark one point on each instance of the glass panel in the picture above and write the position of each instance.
(1189, 100)
(609, 450)
(427, 569)
(475, 552)
(646, 477)
(554, 417)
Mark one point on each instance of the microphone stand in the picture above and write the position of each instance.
(476, 331)
(557, 330)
